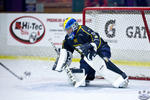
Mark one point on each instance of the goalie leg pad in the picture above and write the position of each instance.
(114, 78)
(121, 82)
(63, 59)
(114, 68)
(99, 65)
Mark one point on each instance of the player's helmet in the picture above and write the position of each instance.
(71, 23)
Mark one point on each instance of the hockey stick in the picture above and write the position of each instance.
(18, 77)
(68, 71)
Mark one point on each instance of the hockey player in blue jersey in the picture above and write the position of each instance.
(89, 44)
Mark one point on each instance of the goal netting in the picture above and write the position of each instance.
(127, 32)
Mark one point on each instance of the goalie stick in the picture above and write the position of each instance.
(18, 77)
(68, 71)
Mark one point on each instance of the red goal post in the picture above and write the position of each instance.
(126, 29)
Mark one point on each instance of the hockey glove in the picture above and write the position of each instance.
(88, 50)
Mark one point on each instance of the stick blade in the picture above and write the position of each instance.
(80, 82)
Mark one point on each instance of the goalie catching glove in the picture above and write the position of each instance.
(64, 59)
(88, 49)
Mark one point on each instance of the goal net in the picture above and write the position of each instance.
(127, 32)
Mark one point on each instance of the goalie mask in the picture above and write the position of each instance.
(70, 25)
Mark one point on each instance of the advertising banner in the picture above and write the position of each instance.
(122, 31)
(36, 29)
(27, 29)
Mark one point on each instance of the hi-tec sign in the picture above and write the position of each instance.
(27, 29)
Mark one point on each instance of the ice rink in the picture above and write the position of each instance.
(45, 84)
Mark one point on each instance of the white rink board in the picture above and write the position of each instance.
(51, 25)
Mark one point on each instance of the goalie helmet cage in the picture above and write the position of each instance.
(98, 18)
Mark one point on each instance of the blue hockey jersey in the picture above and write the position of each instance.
(86, 35)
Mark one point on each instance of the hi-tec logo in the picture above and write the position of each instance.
(109, 28)
(27, 29)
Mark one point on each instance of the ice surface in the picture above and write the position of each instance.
(44, 84)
